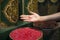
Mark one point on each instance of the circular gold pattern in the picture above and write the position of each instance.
(41, 1)
(11, 11)
(54, 1)
(32, 6)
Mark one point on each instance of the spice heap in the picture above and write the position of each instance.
(26, 34)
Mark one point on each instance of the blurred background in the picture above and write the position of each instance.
(10, 11)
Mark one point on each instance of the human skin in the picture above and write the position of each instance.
(34, 17)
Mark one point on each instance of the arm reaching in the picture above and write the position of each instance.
(53, 16)
(37, 18)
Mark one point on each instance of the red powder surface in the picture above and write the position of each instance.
(26, 34)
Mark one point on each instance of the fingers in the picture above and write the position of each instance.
(25, 17)
(33, 13)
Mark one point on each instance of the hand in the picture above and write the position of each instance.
(32, 18)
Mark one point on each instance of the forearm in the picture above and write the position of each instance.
(52, 17)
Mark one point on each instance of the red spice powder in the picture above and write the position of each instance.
(26, 34)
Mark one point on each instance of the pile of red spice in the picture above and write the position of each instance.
(26, 34)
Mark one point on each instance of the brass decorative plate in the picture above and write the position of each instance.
(54, 1)
(11, 11)
(32, 6)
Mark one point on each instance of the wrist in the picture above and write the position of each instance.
(43, 18)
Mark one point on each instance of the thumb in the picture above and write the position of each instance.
(33, 13)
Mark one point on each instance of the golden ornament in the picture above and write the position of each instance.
(54, 1)
(11, 11)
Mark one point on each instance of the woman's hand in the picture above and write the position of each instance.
(32, 18)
